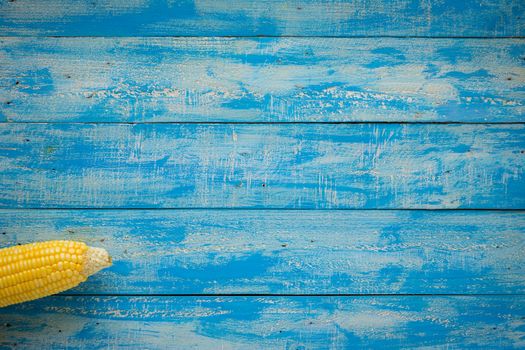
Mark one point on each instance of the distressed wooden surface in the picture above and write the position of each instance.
(110, 118)
(266, 323)
(489, 18)
(280, 252)
(261, 80)
(262, 166)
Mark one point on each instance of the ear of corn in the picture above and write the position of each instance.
(36, 270)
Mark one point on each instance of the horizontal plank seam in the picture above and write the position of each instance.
(131, 295)
(263, 123)
(271, 36)
(260, 209)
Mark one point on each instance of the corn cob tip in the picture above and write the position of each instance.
(96, 259)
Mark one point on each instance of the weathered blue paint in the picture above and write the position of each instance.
(261, 80)
(99, 163)
(280, 252)
(265, 322)
(262, 166)
(489, 18)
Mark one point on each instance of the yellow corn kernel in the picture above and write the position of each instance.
(36, 270)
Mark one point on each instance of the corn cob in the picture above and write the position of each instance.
(36, 270)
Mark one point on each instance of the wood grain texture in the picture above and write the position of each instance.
(489, 18)
(75, 152)
(283, 252)
(261, 80)
(262, 166)
(265, 323)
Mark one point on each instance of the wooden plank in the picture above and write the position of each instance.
(265, 323)
(262, 166)
(261, 80)
(282, 252)
(490, 18)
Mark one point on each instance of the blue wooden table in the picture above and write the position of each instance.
(303, 174)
